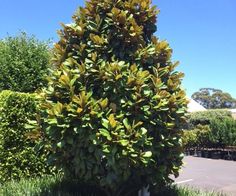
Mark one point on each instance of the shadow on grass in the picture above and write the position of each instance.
(68, 188)
(57, 186)
(72, 188)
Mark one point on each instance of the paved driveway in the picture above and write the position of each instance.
(210, 174)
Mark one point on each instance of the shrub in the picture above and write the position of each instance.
(24, 61)
(17, 156)
(114, 106)
(212, 128)
(205, 117)
(189, 138)
(197, 137)
(223, 132)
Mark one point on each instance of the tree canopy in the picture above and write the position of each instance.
(212, 98)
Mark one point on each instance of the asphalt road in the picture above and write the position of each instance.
(209, 174)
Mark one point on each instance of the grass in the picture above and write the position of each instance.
(186, 191)
(48, 186)
(55, 186)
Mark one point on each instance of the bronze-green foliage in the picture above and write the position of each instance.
(24, 63)
(114, 105)
(18, 157)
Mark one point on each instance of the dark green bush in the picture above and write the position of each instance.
(223, 132)
(114, 106)
(24, 63)
(17, 155)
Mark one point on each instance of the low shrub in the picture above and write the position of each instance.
(18, 157)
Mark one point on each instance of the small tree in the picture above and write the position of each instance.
(114, 105)
(23, 63)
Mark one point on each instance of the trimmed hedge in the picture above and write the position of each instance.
(17, 155)
(205, 117)
(197, 137)
(24, 63)
(212, 128)
(223, 132)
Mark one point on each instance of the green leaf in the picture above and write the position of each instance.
(170, 125)
(30, 126)
(105, 133)
(106, 150)
(147, 154)
(105, 123)
(121, 63)
(60, 144)
(134, 155)
(52, 121)
(124, 142)
(126, 124)
(144, 131)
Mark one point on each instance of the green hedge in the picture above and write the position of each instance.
(223, 132)
(17, 155)
(205, 117)
(212, 128)
(24, 63)
(197, 137)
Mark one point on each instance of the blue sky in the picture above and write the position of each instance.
(202, 34)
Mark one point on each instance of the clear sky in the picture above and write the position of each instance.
(202, 34)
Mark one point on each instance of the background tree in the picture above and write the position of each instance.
(24, 63)
(114, 105)
(212, 98)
